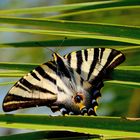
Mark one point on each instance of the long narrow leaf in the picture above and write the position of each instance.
(80, 34)
(82, 29)
(6, 83)
(57, 135)
(124, 83)
(17, 66)
(106, 126)
(113, 5)
(79, 8)
(12, 74)
(47, 9)
(126, 73)
(68, 42)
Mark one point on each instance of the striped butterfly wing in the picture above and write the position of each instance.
(94, 64)
(37, 88)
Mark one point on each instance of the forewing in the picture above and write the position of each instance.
(37, 88)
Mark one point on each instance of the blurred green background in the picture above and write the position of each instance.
(116, 100)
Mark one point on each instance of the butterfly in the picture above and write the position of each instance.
(70, 84)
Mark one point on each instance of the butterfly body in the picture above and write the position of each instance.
(70, 83)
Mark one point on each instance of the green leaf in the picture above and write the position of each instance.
(39, 135)
(109, 127)
(79, 8)
(68, 43)
(126, 73)
(129, 34)
(7, 83)
(47, 9)
(12, 73)
(131, 49)
(17, 66)
(129, 67)
(112, 5)
(124, 83)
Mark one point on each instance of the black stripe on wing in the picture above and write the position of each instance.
(45, 75)
(21, 87)
(32, 87)
(14, 102)
(94, 62)
(51, 65)
(86, 54)
(68, 58)
(79, 61)
(62, 68)
(102, 51)
(35, 76)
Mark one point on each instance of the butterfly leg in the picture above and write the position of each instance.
(91, 111)
(83, 111)
(63, 111)
(71, 113)
(94, 103)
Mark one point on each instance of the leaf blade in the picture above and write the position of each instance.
(111, 36)
(107, 126)
(82, 42)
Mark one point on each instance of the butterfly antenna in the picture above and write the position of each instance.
(62, 41)
(50, 48)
